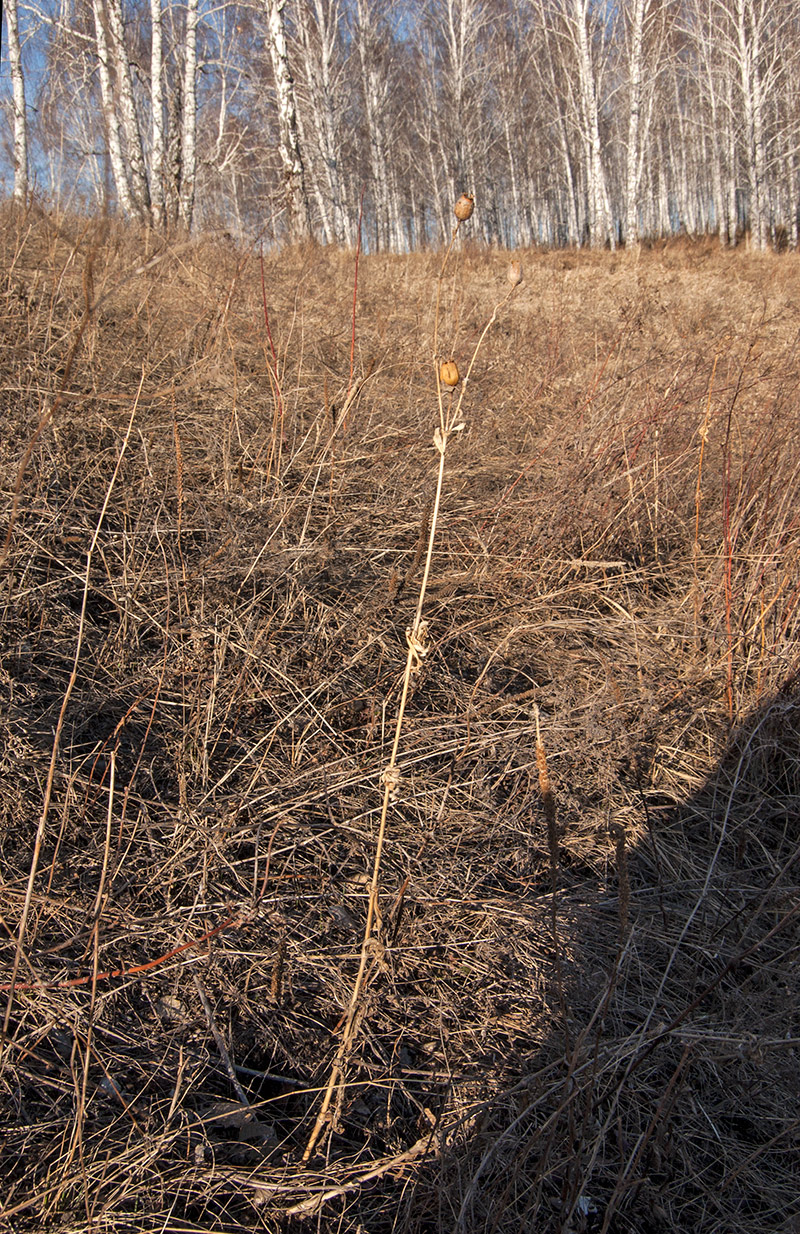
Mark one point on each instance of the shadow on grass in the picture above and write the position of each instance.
(665, 1099)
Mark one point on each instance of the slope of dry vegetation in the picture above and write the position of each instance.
(586, 1024)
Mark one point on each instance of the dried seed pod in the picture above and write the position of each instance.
(391, 778)
(449, 374)
(464, 207)
(514, 272)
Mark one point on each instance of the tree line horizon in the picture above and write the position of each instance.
(574, 122)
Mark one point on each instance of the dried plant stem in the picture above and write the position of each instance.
(728, 575)
(728, 534)
(327, 449)
(355, 298)
(179, 491)
(314, 1203)
(623, 879)
(549, 804)
(274, 376)
(698, 496)
(439, 282)
(74, 983)
(659, 1118)
(220, 1040)
(98, 904)
(417, 648)
(416, 637)
(452, 420)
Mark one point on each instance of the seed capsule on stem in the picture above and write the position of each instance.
(464, 207)
(449, 374)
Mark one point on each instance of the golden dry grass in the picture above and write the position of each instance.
(582, 1014)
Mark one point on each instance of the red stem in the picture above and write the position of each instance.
(126, 972)
(269, 333)
(355, 292)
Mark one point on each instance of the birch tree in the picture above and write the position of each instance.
(110, 116)
(646, 29)
(189, 118)
(748, 48)
(158, 136)
(459, 29)
(750, 35)
(558, 106)
(18, 104)
(716, 116)
(123, 100)
(573, 120)
(299, 219)
(582, 29)
(373, 37)
(237, 139)
(321, 52)
(520, 116)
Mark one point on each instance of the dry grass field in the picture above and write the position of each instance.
(579, 1001)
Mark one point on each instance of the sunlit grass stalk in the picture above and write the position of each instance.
(698, 496)
(355, 300)
(418, 647)
(276, 444)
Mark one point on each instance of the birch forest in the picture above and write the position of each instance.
(574, 122)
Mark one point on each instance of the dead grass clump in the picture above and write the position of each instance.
(581, 1014)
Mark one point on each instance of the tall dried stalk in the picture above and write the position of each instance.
(276, 443)
(698, 496)
(418, 647)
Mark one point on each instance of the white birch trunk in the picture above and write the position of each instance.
(118, 169)
(319, 24)
(126, 105)
(573, 224)
(374, 88)
(514, 232)
(316, 191)
(18, 103)
(172, 176)
(290, 150)
(765, 51)
(662, 194)
(759, 152)
(710, 86)
(463, 25)
(716, 188)
(158, 136)
(438, 200)
(561, 107)
(600, 223)
(634, 121)
(746, 85)
(790, 221)
(398, 242)
(730, 134)
(189, 119)
(677, 162)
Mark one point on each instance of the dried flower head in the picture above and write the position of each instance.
(514, 272)
(449, 374)
(391, 779)
(464, 207)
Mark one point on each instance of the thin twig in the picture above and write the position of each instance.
(220, 1040)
